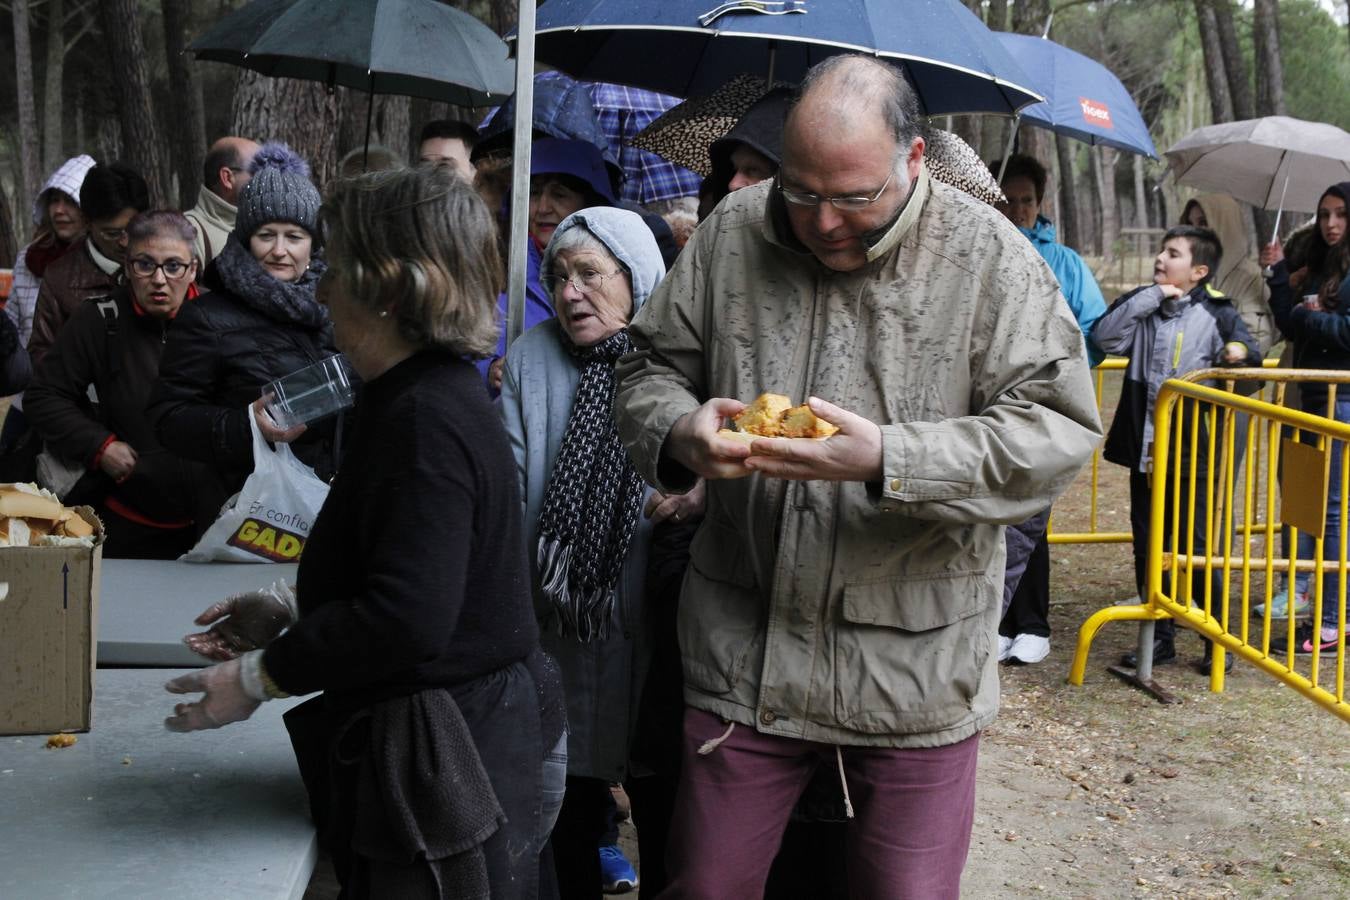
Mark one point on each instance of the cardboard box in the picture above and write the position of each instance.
(49, 635)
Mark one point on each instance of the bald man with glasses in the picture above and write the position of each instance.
(843, 597)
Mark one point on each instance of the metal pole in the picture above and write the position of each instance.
(370, 111)
(1007, 151)
(520, 171)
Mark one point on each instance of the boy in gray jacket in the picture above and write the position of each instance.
(1178, 324)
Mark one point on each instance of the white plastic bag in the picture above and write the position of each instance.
(269, 519)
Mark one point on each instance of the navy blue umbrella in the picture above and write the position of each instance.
(693, 47)
(1083, 99)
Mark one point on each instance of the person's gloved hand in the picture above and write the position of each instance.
(224, 700)
(244, 622)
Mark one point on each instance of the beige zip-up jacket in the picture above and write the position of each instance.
(856, 613)
(213, 218)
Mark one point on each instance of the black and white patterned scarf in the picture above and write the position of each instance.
(592, 501)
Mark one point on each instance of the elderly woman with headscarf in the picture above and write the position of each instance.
(585, 531)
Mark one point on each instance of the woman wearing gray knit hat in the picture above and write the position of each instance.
(259, 321)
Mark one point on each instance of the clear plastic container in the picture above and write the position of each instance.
(309, 394)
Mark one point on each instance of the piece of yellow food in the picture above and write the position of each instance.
(61, 741)
(773, 415)
(800, 422)
(762, 416)
(30, 515)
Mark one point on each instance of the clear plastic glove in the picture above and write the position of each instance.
(244, 622)
(224, 699)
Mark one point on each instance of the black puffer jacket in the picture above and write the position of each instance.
(224, 347)
(118, 353)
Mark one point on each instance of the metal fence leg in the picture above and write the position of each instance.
(1142, 677)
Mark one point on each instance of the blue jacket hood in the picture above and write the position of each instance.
(1043, 232)
(626, 236)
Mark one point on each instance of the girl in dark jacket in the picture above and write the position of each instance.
(259, 322)
(151, 501)
(1312, 309)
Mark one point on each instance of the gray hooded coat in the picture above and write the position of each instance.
(603, 678)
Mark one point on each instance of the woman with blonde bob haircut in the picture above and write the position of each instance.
(412, 614)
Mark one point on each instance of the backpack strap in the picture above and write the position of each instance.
(107, 307)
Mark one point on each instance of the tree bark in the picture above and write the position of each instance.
(994, 131)
(1216, 76)
(301, 113)
(52, 113)
(29, 176)
(1140, 193)
(142, 147)
(1269, 62)
(1104, 169)
(1234, 63)
(1070, 234)
(186, 122)
(9, 244)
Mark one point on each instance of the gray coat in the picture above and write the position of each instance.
(602, 679)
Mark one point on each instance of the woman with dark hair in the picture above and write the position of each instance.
(259, 322)
(424, 755)
(110, 197)
(153, 503)
(1312, 309)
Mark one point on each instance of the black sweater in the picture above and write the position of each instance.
(414, 574)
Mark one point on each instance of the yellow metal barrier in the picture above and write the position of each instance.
(1219, 513)
(1115, 367)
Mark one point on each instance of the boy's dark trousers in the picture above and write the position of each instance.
(1141, 498)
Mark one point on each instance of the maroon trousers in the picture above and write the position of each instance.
(913, 810)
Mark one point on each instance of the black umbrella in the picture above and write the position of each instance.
(413, 48)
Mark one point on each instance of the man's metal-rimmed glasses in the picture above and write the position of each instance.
(144, 267)
(585, 283)
(847, 204)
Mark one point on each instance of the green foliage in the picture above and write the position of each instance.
(1316, 63)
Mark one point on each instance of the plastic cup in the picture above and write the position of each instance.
(1310, 301)
(309, 394)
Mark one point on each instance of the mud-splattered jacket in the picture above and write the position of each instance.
(846, 612)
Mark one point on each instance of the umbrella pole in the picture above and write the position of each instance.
(1007, 151)
(1280, 212)
(773, 53)
(520, 170)
(370, 113)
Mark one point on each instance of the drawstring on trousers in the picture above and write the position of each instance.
(710, 745)
(848, 803)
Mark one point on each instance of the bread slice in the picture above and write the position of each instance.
(15, 502)
(72, 525)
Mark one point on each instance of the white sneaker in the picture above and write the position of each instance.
(1004, 645)
(1028, 649)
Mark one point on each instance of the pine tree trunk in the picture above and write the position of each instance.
(301, 113)
(1070, 233)
(186, 121)
(1140, 194)
(1269, 62)
(1216, 75)
(142, 146)
(9, 244)
(53, 153)
(29, 176)
(994, 131)
(1234, 63)
(1104, 169)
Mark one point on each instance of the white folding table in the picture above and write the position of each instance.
(146, 606)
(133, 811)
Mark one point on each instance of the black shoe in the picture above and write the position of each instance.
(1205, 666)
(1164, 652)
